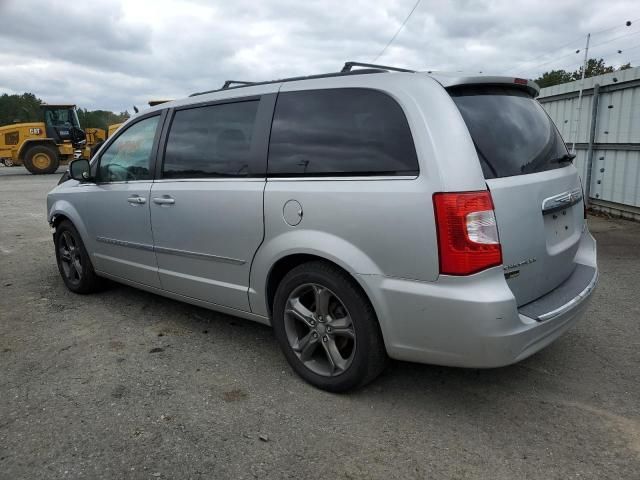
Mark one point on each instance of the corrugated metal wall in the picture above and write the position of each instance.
(615, 169)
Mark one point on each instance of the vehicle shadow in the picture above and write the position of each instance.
(414, 381)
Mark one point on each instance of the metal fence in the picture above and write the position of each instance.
(606, 129)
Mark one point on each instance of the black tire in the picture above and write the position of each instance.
(368, 357)
(86, 281)
(41, 159)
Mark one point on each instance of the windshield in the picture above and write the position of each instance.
(61, 117)
(512, 133)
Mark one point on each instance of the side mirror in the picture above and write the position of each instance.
(80, 170)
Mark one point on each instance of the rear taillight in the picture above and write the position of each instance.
(467, 232)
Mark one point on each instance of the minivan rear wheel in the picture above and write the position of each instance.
(327, 328)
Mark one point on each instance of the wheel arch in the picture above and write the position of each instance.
(291, 248)
(63, 210)
(27, 144)
(287, 262)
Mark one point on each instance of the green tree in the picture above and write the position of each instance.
(19, 108)
(554, 77)
(595, 66)
(100, 118)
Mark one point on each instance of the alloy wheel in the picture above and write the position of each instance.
(319, 329)
(70, 258)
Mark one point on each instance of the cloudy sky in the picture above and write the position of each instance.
(111, 54)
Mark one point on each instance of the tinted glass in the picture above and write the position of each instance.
(340, 132)
(127, 158)
(212, 141)
(512, 133)
(61, 117)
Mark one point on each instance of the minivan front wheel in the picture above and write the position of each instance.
(327, 328)
(73, 260)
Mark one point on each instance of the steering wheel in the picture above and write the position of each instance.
(119, 171)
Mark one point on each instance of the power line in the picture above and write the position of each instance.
(618, 51)
(616, 38)
(598, 32)
(547, 63)
(399, 29)
(530, 69)
(578, 39)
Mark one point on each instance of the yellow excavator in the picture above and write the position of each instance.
(42, 146)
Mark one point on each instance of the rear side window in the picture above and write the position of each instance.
(512, 133)
(334, 132)
(211, 141)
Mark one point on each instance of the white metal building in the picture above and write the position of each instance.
(607, 134)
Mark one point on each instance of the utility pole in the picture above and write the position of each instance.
(584, 69)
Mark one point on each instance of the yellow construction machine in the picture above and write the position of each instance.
(42, 146)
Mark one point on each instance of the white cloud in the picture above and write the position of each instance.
(111, 54)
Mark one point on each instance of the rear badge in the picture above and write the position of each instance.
(514, 273)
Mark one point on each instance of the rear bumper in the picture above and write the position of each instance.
(472, 321)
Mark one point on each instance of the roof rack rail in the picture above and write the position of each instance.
(346, 70)
(349, 65)
(228, 83)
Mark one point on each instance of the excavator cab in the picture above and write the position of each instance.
(61, 123)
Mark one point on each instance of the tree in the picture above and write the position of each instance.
(554, 77)
(100, 118)
(595, 66)
(20, 108)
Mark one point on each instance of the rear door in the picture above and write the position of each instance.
(535, 188)
(207, 204)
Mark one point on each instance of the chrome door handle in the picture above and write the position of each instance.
(136, 199)
(164, 200)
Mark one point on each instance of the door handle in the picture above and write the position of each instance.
(136, 199)
(165, 200)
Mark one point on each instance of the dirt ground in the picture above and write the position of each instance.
(125, 384)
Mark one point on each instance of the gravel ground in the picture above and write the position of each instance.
(125, 384)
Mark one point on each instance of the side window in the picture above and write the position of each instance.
(127, 158)
(349, 131)
(212, 141)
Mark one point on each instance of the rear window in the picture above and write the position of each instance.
(349, 131)
(512, 133)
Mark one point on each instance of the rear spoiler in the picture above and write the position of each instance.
(453, 80)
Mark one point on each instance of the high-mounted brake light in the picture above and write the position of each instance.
(467, 232)
(520, 81)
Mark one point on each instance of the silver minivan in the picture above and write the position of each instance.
(371, 213)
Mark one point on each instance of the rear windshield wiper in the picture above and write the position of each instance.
(567, 157)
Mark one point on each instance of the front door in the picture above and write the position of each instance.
(118, 208)
(206, 210)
